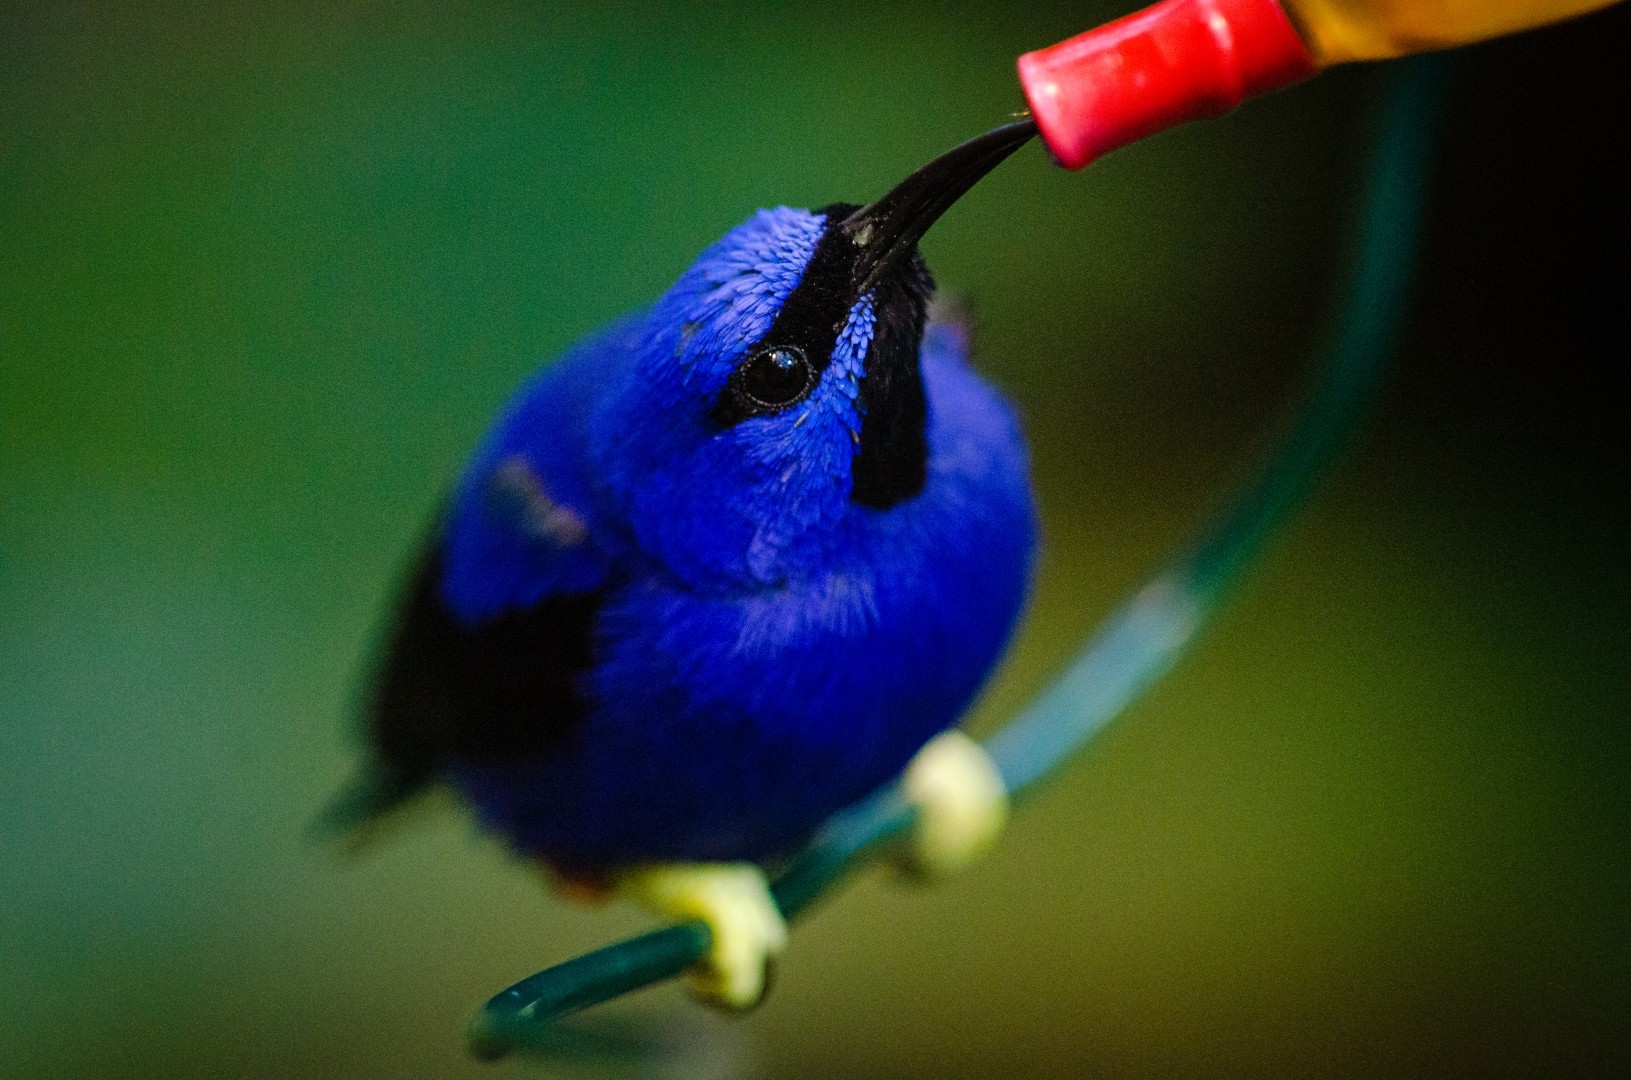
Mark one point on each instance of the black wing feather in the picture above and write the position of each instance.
(508, 688)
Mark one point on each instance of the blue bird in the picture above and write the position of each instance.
(727, 566)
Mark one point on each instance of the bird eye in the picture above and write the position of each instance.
(774, 378)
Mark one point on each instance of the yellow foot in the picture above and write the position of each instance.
(734, 900)
(961, 804)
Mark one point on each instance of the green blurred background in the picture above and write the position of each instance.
(265, 270)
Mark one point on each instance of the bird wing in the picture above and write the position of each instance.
(502, 688)
(493, 629)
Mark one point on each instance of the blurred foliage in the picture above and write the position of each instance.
(265, 272)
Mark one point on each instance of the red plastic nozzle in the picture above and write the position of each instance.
(1178, 60)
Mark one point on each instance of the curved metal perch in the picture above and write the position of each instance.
(1140, 641)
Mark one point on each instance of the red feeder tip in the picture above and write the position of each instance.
(1178, 60)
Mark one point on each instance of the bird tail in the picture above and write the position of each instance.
(359, 814)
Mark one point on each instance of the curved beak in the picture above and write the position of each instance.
(887, 230)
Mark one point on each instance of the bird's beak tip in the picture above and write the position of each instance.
(888, 229)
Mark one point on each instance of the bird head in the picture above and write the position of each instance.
(775, 392)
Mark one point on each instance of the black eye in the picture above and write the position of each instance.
(774, 378)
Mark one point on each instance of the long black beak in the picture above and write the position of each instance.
(886, 231)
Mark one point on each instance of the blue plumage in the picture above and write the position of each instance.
(724, 567)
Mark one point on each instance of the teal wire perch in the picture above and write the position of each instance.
(1142, 639)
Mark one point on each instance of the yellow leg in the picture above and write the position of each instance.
(734, 900)
(961, 803)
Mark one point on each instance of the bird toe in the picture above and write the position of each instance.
(961, 801)
(746, 928)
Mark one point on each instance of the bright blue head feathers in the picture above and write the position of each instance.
(729, 492)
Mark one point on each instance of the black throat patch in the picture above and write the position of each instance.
(892, 464)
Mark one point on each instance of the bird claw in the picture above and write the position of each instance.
(962, 805)
(961, 801)
(746, 928)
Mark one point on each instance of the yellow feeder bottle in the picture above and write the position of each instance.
(1187, 59)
